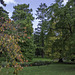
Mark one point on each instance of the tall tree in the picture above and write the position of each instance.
(62, 19)
(41, 15)
(3, 13)
(23, 18)
(9, 49)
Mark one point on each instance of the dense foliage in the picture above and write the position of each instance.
(9, 49)
(54, 36)
(60, 23)
(40, 32)
(23, 20)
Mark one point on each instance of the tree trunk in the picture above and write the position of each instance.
(42, 55)
(37, 55)
(60, 60)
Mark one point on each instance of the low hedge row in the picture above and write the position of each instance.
(37, 63)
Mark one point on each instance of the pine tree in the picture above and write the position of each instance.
(41, 15)
(23, 18)
(2, 2)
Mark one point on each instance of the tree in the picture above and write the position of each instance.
(63, 19)
(23, 19)
(42, 24)
(2, 2)
(3, 13)
(9, 48)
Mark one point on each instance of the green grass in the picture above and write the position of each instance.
(41, 59)
(52, 69)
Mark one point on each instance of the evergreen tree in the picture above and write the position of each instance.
(41, 15)
(23, 18)
(2, 2)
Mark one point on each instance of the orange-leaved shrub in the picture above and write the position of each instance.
(9, 48)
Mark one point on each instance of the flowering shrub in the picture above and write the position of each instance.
(9, 46)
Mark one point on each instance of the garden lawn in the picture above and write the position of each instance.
(41, 59)
(52, 69)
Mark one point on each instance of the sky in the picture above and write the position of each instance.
(34, 4)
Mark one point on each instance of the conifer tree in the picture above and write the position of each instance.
(41, 15)
(23, 18)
